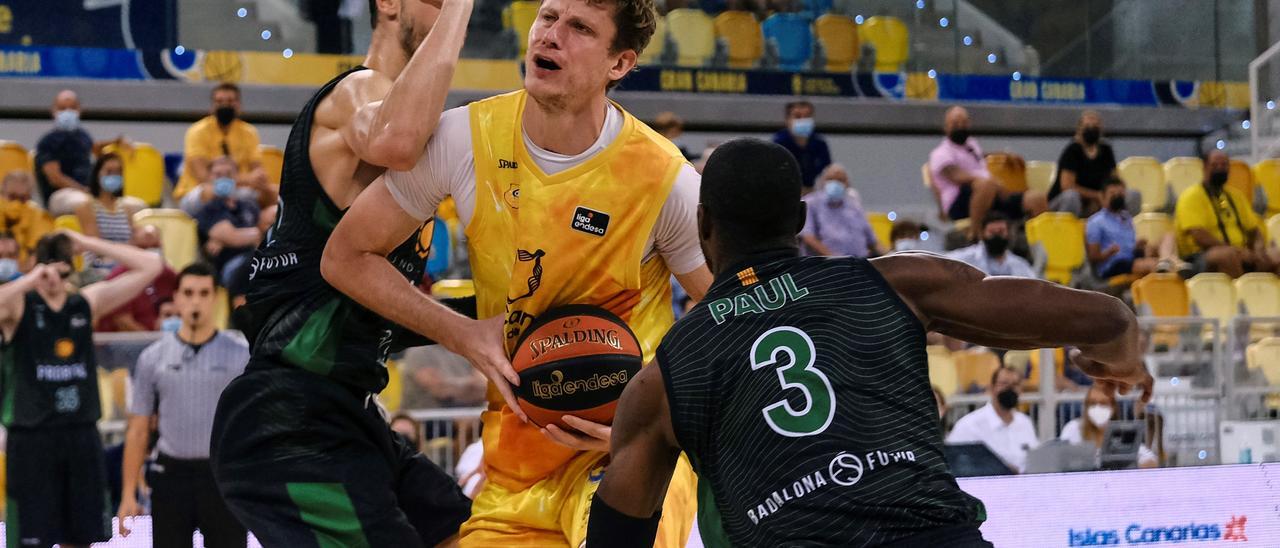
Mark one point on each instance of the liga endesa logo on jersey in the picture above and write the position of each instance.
(1233, 530)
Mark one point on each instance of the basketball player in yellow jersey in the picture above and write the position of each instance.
(566, 198)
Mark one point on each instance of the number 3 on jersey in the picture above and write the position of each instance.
(799, 373)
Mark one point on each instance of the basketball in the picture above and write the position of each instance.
(575, 360)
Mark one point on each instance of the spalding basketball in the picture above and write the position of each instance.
(575, 360)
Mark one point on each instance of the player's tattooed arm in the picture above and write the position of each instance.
(955, 299)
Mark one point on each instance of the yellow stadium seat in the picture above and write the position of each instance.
(455, 289)
(13, 156)
(178, 236)
(889, 37)
(1266, 174)
(392, 395)
(1062, 237)
(119, 381)
(106, 399)
(657, 44)
(1213, 295)
(1273, 229)
(838, 35)
(1183, 172)
(974, 368)
(1265, 355)
(4, 467)
(1258, 294)
(1240, 177)
(1040, 175)
(1152, 226)
(742, 36)
(272, 163)
(519, 16)
(1146, 175)
(942, 369)
(68, 222)
(221, 308)
(1162, 295)
(143, 171)
(882, 226)
(694, 34)
(1009, 169)
(1033, 372)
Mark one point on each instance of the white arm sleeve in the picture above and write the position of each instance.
(438, 172)
(675, 236)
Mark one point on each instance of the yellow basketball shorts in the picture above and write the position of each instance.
(554, 511)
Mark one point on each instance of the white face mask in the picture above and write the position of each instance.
(1099, 415)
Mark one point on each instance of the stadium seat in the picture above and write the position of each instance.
(1258, 294)
(1032, 372)
(657, 44)
(1009, 169)
(143, 171)
(942, 369)
(178, 235)
(392, 395)
(974, 367)
(4, 467)
(791, 37)
(68, 222)
(519, 17)
(455, 289)
(272, 163)
(119, 381)
(838, 35)
(1273, 229)
(889, 37)
(1266, 174)
(221, 308)
(882, 226)
(1040, 175)
(1265, 355)
(694, 34)
(1183, 172)
(1146, 175)
(814, 8)
(1241, 178)
(13, 156)
(1213, 295)
(1161, 295)
(743, 40)
(1061, 235)
(1152, 226)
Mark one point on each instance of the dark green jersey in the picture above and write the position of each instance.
(800, 390)
(48, 373)
(298, 319)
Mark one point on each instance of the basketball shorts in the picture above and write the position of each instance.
(303, 461)
(57, 487)
(555, 511)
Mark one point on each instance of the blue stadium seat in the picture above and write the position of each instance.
(791, 36)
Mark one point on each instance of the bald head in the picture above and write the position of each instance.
(66, 99)
(835, 172)
(17, 186)
(146, 237)
(956, 124)
(1217, 162)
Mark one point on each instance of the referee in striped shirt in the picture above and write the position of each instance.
(180, 378)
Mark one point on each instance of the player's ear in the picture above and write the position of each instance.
(389, 7)
(623, 65)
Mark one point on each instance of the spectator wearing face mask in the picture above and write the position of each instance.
(9, 266)
(1100, 409)
(835, 224)
(1216, 229)
(143, 313)
(105, 216)
(19, 216)
(906, 234)
(170, 320)
(999, 425)
(221, 133)
(808, 147)
(991, 255)
(1084, 168)
(228, 228)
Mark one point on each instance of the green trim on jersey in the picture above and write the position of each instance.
(315, 346)
(709, 524)
(327, 508)
(9, 383)
(322, 217)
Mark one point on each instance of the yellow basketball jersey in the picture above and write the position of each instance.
(539, 241)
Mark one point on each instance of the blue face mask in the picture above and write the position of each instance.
(223, 186)
(171, 324)
(833, 190)
(8, 269)
(802, 127)
(67, 120)
(112, 183)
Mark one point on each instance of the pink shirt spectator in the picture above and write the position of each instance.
(967, 157)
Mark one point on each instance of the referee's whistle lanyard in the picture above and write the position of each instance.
(1222, 227)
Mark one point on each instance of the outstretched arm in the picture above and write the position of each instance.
(106, 296)
(958, 300)
(628, 504)
(393, 131)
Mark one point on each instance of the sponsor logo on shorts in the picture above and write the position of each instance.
(590, 221)
(845, 469)
(559, 387)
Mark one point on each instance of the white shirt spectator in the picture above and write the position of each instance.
(1010, 265)
(1010, 441)
(1072, 433)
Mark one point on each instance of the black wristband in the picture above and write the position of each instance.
(610, 528)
